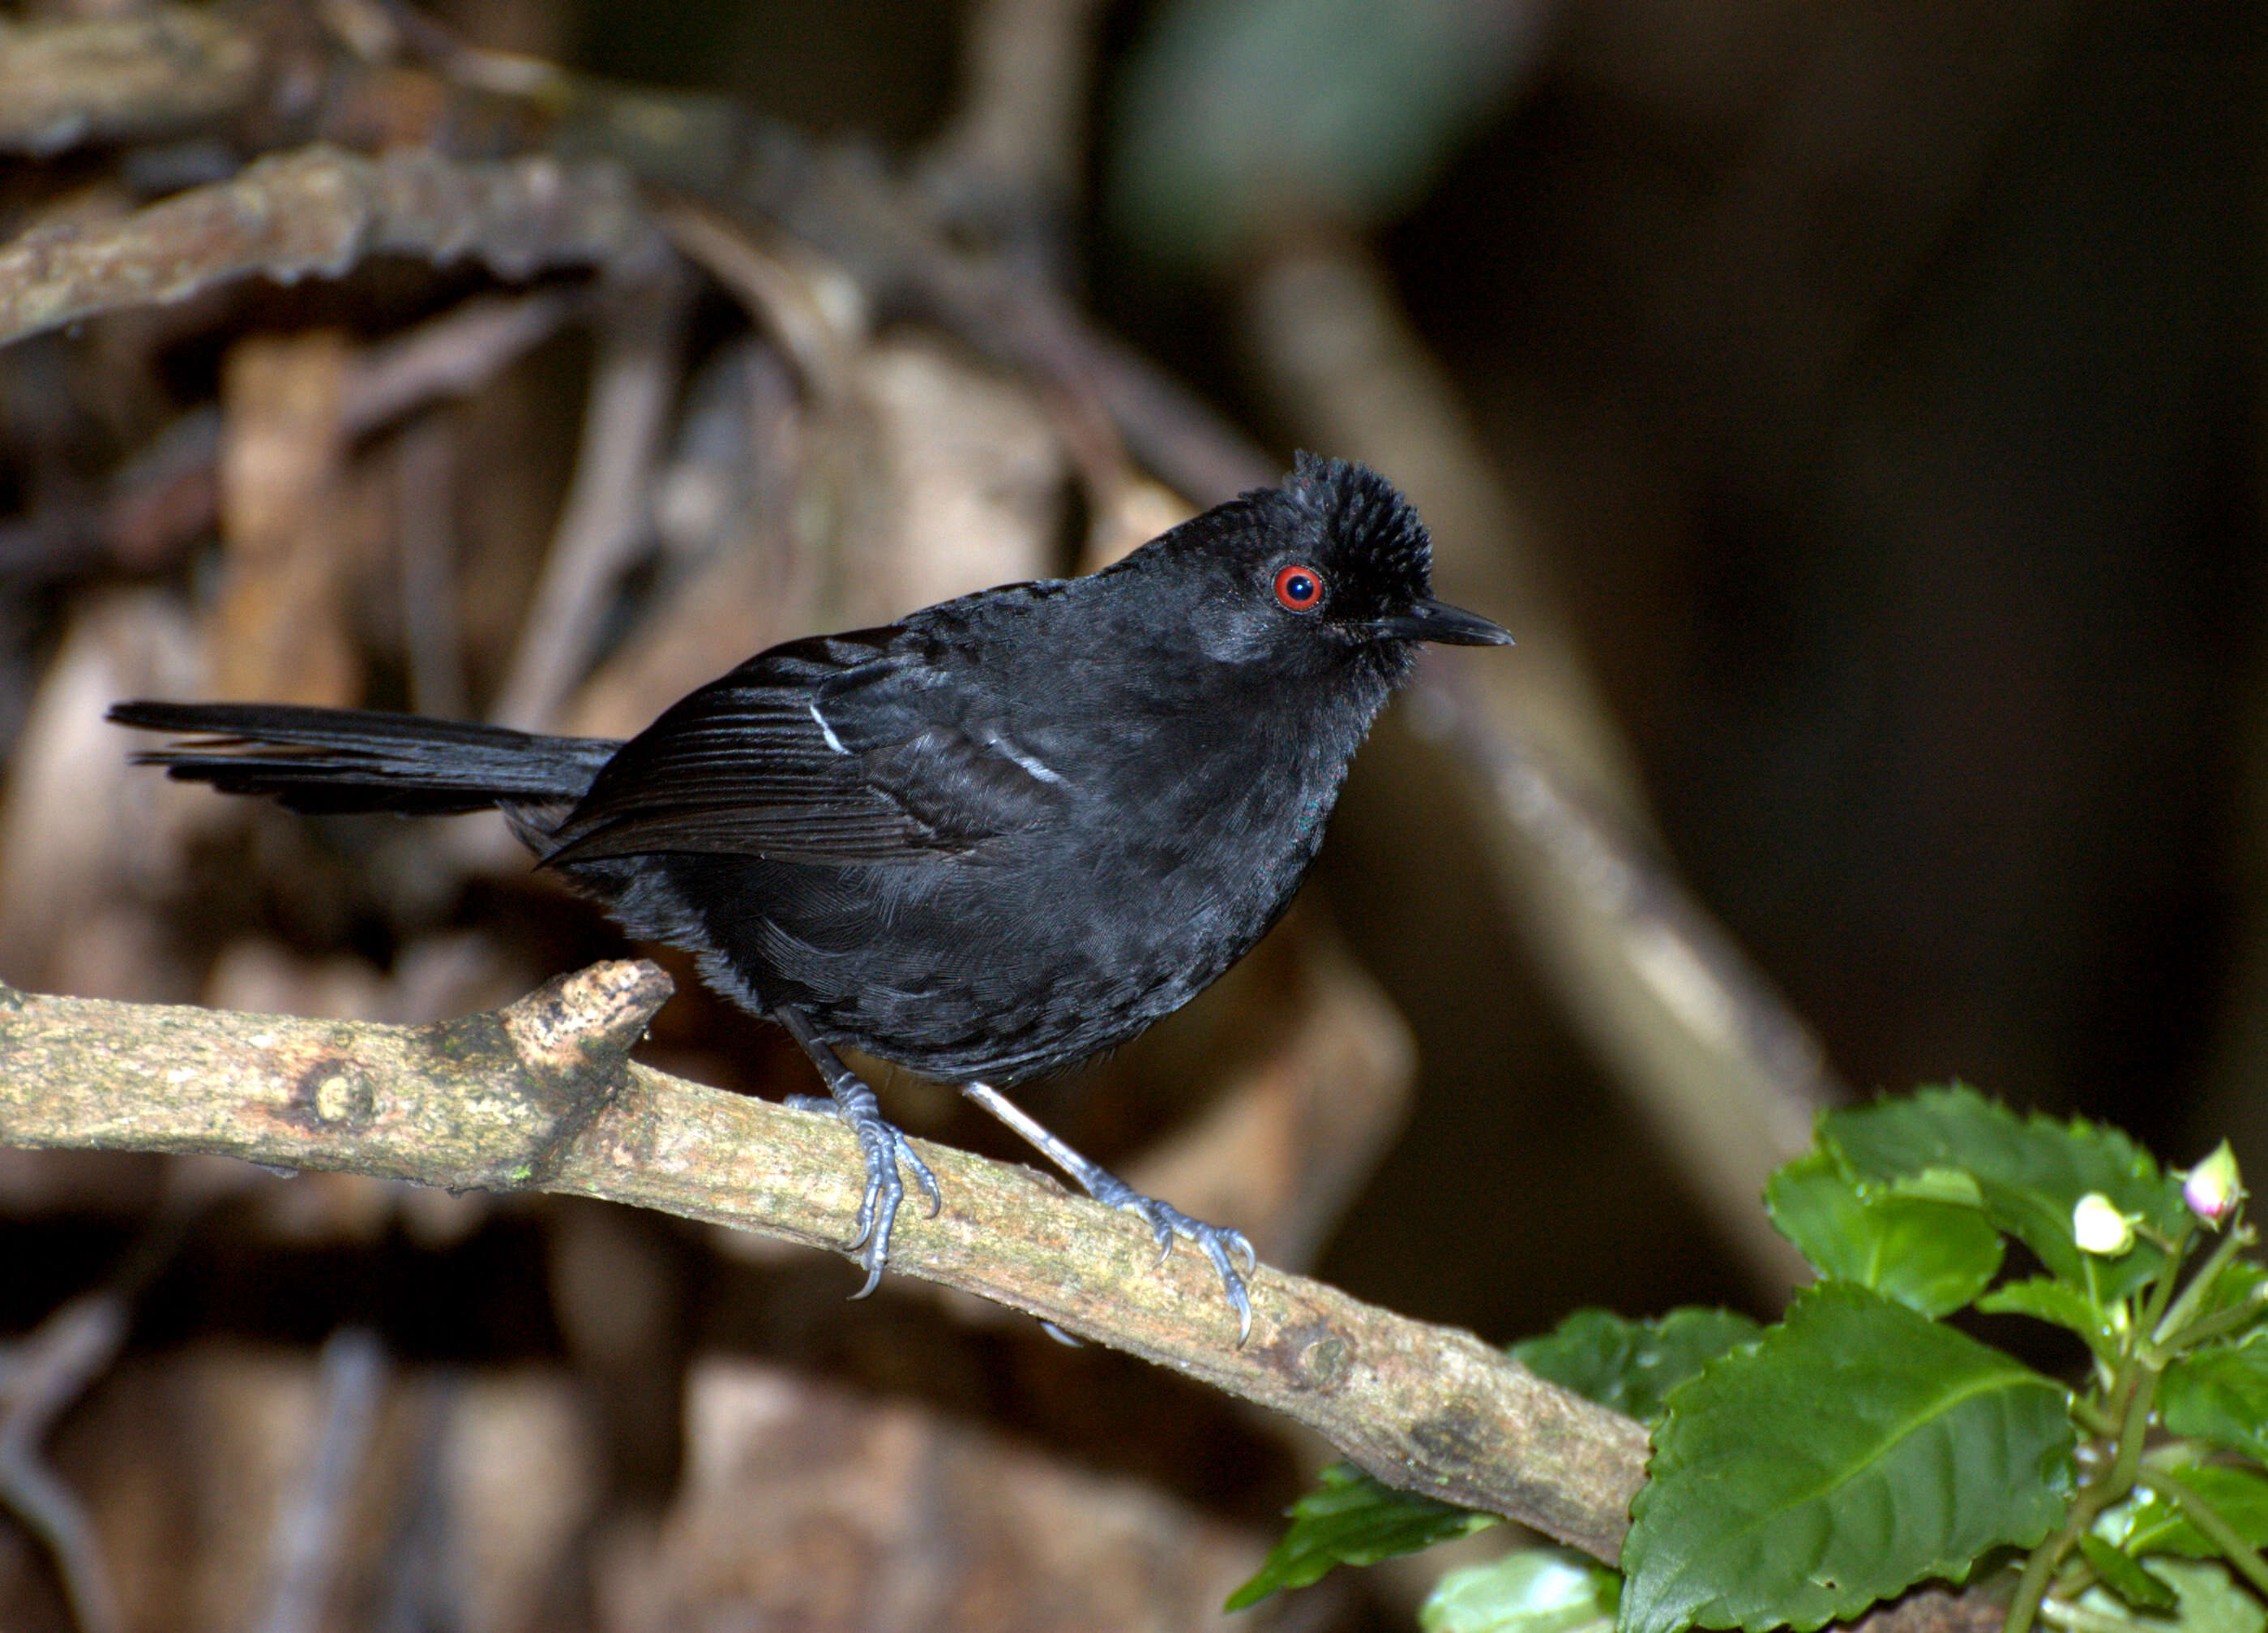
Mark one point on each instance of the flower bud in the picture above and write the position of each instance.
(2214, 1187)
(2098, 1228)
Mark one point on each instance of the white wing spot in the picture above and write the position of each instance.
(825, 730)
(1040, 769)
(1031, 764)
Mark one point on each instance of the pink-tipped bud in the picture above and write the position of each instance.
(2214, 1187)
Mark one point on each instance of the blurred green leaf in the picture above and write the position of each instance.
(1941, 1185)
(1533, 1590)
(2031, 1171)
(2124, 1577)
(1235, 116)
(1852, 1451)
(2212, 1601)
(2045, 1298)
(2220, 1392)
(2152, 1524)
(2241, 1280)
(1353, 1520)
(1632, 1365)
(1930, 1255)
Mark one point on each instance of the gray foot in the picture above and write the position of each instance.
(1220, 1244)
(881, 1143)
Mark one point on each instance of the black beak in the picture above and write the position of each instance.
(1434, 620)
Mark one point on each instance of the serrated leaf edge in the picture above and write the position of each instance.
(2014, 1373)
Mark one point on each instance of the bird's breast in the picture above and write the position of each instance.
(1198, 845)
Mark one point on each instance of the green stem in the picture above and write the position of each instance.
(2093, 1418)
(2033, 1583)
(2118, 1480)
(2208, 1520)
(2235, 1237)
(2131, 1394)
(2161, 1288)
(2211, 1327)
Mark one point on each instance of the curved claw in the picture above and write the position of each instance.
(922, 1176)
(877, 1212)
(1218, 1244)
(1165, 1222)
(886, 1149)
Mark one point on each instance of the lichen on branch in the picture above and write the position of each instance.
(541, 1095)
(318, 211)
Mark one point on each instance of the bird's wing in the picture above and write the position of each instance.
(836, 750)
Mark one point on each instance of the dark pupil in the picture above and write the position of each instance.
(1299, 587)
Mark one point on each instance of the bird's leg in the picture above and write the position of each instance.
(1165, 1222)
(882, 1143)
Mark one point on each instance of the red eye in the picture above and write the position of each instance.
(1300, 588)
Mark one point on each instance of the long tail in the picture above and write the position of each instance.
(360, 760)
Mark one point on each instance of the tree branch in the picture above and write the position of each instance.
(541, 1095)
(317, 212)
(117, 78)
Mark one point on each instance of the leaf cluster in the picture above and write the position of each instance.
(1803, 1472)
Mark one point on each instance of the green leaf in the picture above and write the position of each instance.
(2045, 1298)
(1532, 1590)
(1941, 1185)
(1632, 1365)
(2155, 1524)
(2030, 1170)
(1232, 116)
(1930, 1255)
(2241, 1280)
(2212, 1599)
(2125, 1579)
(2220, 1392)
(1353, 1520)
(1856, 1450)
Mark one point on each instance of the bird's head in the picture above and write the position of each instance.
(1332, 566)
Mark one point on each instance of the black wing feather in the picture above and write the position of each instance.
(340, 760)
(830, 751)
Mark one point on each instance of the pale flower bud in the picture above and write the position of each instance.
(2214, 1187)
(2098, 1228)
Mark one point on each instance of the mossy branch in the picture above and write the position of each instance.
(317, 213)
(541, 1095)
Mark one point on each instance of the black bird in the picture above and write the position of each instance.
(985, 842)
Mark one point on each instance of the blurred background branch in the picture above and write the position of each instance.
(1726, 1076)
(319, 211)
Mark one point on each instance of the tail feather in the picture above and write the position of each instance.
(338, 760)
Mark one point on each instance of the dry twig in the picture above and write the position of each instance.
(167, 495)
(609, 510)
(541, 1095)
(452, 355)
(44, 1374)
(121, 78)
(1010, 159)
(309, 1525)
(316, 213)
(425, 553)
